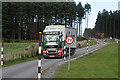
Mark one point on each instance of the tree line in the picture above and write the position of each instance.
(108, 22)
(89, 33)
(23, 21)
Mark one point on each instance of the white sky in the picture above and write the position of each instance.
(96, 6)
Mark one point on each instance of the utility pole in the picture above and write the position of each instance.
(76, 23)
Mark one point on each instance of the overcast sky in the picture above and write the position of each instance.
(96, 6)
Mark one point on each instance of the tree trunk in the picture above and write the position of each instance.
(13, 28)
(106, 28)
(32, 18)
(102, 27)
(65, 21)
(114, 28)
(110, 26)
(61, 20)
(118, 28)
(19, 29)
(79, 27)
(71, 23)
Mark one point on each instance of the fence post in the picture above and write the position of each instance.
(39, 58)
(69, 59)
(87, 46)
(97, 42)
(64, 50)
(1, 57)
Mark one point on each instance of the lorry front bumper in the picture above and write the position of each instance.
(52, 55)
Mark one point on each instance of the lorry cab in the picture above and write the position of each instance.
(53, 41)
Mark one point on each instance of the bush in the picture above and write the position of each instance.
(16, 40)
(7, 40)
(10, 40)
(22, 56)
(81, 38)
(78, 45)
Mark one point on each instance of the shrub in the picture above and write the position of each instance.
(79, 45)
(22, 56)
(7, 40)
(10, 40)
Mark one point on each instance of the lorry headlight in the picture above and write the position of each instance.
(44, 51)
(44, 54)
(59, 51)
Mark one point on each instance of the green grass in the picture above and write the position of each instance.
(90, 44)
(102, 63)
(109, 40)
(15, 53)
(11, 47)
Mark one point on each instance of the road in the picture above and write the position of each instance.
(29, 69)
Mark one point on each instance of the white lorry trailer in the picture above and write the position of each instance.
(53, 40)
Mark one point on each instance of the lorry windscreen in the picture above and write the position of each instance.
(51, 38)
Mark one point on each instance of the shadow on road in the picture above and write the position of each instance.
(53, 58)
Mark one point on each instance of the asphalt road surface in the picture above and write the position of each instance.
(29, 69)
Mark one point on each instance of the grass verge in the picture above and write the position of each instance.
(109, 40)
(15, 53)
(102, 63)
(90, 44)
(13, 47)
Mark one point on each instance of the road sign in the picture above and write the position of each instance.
(117, 42)
(69, 40)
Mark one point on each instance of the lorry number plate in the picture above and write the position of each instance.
(51, 55)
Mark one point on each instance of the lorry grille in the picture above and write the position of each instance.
(51, 46)
(51, 51)
(51, 54)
